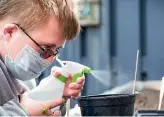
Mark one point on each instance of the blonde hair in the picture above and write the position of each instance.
(31, 13)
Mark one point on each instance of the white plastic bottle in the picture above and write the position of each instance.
(52, 88)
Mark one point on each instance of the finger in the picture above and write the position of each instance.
(69, 79)
(75, 86)
(56, 113)
(49, 113)
(57, 73)
(54, 68)
(75, 96)
(80, 80)
(70, 76)
(74, 92)
(83, 83)
(55, 103)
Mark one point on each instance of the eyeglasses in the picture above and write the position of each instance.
(46, 52)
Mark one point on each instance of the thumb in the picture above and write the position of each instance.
(69, 79)
(55, 71)
(55, 68)
(55, 103)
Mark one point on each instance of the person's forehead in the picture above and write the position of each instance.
(59, 43)
(51, 33)
(52, 44)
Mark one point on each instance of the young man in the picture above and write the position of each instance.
(31, 33)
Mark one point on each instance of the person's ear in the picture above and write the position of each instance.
(8, 31)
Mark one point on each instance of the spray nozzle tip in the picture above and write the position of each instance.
(87, 70)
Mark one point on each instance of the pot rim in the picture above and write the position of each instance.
(105, 96)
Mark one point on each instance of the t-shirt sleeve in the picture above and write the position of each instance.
(12, 108)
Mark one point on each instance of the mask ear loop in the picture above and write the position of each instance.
(1, 35)
(7, 56)
(5, 44)
(7, 48)
(21, 35)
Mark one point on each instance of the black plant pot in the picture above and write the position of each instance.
(107, 105)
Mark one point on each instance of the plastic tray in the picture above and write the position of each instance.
(142, 113)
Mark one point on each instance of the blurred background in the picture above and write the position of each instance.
(112, 32)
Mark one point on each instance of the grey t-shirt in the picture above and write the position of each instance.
(10, 89)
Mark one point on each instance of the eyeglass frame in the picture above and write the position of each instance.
(42, 48)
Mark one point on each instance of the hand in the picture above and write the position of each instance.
(71, 89)
(35, 108)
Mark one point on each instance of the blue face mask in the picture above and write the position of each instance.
(27, 65)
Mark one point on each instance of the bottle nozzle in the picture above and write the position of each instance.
(87, 70)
